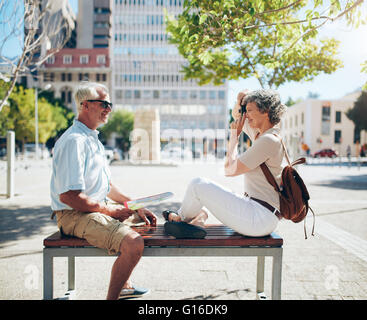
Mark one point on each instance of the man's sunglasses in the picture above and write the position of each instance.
(105, 104)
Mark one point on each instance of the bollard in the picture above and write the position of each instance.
(10, 155)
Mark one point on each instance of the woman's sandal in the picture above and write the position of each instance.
(183, 230)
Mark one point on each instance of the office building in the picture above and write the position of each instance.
(146, 74)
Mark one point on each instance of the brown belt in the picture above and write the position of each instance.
(267, 206)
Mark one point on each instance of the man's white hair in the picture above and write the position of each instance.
(88, 91)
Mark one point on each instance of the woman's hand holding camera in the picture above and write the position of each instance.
(239, 117)
(236, 111)
(237, 126)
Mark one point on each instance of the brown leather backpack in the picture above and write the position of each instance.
(293, 194)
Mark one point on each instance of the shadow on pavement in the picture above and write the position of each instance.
(348, 182)
(220, 294)
(19, 222)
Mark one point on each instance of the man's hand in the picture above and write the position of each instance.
(119, 212)
(148, 217)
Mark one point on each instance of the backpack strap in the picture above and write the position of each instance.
(269, 176)
(284, 148)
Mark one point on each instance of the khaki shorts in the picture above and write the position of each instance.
(98, 229)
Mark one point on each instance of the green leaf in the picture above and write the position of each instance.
(203, 18)
(205, 57)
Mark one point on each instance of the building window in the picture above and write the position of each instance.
(66, 95)
(48, 77)
(338, 117)
(51, 60)
(127, 94)
(84, 59)
(137, 94)
(101, 59)
(184, 94)
(83, 76)
(118, 94)
(325, 120)
(337, 136)
(193, 94)
(101, 77)
(174, 94)
(67, 59)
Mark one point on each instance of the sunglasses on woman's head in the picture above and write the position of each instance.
(105, 104)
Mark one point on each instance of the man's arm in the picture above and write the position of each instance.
(78, 200)
(116, 195)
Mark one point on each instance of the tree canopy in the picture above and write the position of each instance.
(358, 114)
(275, 41)
(122, 123)
(19, 115)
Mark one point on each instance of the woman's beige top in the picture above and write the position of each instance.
(266, 147)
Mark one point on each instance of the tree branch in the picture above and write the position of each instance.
(280, 9)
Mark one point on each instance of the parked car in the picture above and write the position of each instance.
(112, 153)
(329, 153)
(30, 151)
(173, 151)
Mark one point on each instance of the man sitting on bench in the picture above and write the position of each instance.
(80, 185)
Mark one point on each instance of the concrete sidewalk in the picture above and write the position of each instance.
(330, 265)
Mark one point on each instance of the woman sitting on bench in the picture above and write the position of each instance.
(256, 213)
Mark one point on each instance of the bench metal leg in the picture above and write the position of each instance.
(260, 278)
(71, 273)
(47, 275)
(277, 275)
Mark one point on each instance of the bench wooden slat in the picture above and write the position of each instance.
(217, 235)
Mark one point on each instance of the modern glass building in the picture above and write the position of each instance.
(146, 73)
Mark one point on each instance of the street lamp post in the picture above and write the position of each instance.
(36, 123)
(47, 87)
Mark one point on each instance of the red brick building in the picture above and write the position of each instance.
(67, 68)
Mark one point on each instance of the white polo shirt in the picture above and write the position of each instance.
(79, 163)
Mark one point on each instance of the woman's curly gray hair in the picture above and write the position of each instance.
(267, 101)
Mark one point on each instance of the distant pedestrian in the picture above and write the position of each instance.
(349, 152)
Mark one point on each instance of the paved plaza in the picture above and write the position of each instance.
(330, 265)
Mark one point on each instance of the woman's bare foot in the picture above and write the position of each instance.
(200, 219)
(172, 216)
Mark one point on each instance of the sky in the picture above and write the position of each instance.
(352, 51)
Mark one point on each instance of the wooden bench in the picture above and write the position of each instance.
(220, 241)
